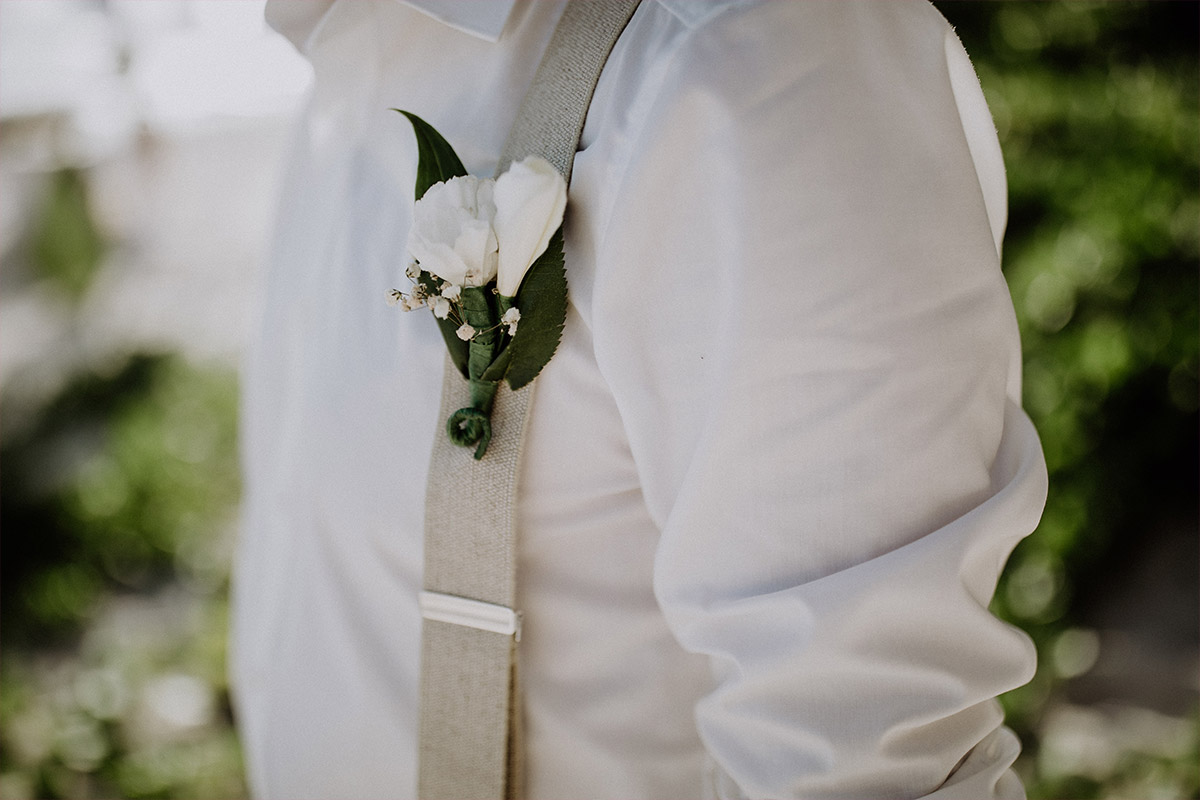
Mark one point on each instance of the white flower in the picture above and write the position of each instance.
(465, 332)
(407, 302)
(412, 270)
(451, 291)
(441, 307)
(452, 235)
(510, 318)
(529, 200)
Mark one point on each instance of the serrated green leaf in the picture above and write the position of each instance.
(459, 350)
(542, 300)
(436, 159)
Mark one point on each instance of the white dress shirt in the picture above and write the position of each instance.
(773, 470)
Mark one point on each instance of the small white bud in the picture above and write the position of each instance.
(510, 318)
(466, 332)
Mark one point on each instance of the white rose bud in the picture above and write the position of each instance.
(530, 199)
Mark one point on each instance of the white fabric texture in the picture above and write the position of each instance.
(772, 472)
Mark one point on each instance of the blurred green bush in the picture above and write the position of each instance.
(117, 504)
(66, 244)
(1096, 108)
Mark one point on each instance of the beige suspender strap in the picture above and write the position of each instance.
(551, 118)
(470, 742)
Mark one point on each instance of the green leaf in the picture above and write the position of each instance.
(542, 300)
(499, 365)
(436, 159)
(459, 350)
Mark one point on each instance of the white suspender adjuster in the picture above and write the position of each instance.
(470, 613)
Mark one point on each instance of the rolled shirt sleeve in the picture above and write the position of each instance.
(812, 349)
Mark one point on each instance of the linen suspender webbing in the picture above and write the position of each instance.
(470, 738)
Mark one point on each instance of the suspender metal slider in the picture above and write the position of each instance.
(470, 613)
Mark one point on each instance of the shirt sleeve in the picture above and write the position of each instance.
(803, 321)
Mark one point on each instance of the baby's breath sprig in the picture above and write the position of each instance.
(446, 305)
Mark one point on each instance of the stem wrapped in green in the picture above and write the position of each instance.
(472, 425)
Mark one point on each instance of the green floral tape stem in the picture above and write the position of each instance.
(472, 425)
(469, 426)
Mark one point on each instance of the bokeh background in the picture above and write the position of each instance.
(139, 151)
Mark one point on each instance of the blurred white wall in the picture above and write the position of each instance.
(178, 112)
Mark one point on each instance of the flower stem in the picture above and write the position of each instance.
(472, 425)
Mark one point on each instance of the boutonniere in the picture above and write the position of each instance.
(486, 257)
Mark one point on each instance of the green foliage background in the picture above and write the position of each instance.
(120, 486)
(1096, 107)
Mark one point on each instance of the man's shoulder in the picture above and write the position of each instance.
(897, 20)
(695, 13)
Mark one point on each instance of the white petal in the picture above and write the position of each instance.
(530, 199)
(451, 234)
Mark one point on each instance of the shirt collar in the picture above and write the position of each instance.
(484, 20)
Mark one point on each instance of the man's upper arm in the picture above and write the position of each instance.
(812, 363)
